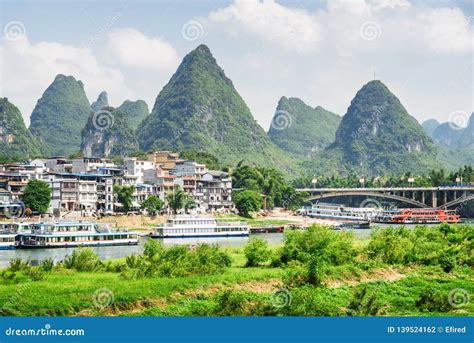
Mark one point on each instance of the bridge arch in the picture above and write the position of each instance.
(458, 201)
(368, 194)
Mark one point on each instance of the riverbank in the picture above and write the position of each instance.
(398, 286)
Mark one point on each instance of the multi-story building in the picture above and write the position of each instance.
(166, 160)
(81, 192)
(188, 168)
(214, 191)
(88, 164)
(136, 167)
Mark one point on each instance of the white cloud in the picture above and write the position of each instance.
(292, 29)
(28, 69)
(131, 48)
(446, 30)
(122, 68)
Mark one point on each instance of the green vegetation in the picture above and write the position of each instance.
(314, 272)
(16, 142)
(108, 133)
(199, 107)
(60, 115)
(124, 196)
(135, 111)
(211, 161)
(37, 196)
(179, 199)
(256, 252)
(152, 205)
(269, 182)
(302, 130)
(247, 201)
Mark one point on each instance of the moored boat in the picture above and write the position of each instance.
(191, 227)
(342, 213)
(7, 241)
(418, 216)
(74, 234)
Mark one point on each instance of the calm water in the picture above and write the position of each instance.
(110, 252)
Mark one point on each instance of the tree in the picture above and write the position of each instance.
(177, 199)
(256, 251)
(37, 196)
(125, 196)
(247, 201)
(189, 203)
(152, 204)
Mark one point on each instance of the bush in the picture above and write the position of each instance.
(47, 264)
(83, 260)
(18, 265)
(364, 303)
(432, 300)
(257, 252)
(176, 261)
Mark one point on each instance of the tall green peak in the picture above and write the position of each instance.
(377, 136)
(199, 109)
(136, 112)
(108, 133)
(60, 115)
(101, 102)
(16, 141)
(299, 129)
(447, 135)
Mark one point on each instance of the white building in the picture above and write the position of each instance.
(137, 167)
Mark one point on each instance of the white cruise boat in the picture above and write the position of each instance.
(196, 227)
(341, 212)
(73, 234)
(7, 241)
(16, 227)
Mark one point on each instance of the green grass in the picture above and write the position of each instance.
(257, 221)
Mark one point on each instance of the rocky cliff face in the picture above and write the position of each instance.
(108, 133)
(16, 141)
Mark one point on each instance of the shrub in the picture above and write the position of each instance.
(432, 300)
(257, 252)
(47, 264)
(364, 303)
(83, 260)
(17, 265)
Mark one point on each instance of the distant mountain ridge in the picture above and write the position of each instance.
(303, 130)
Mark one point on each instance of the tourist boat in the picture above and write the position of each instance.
(418, 216)
(16, 227)
(341, 212)
(74, 234)
(7, 241)
(187, 227)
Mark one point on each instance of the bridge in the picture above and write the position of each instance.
(424, 197)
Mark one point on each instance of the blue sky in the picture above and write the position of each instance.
(322, 52)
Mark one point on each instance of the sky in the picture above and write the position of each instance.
(322, 52)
